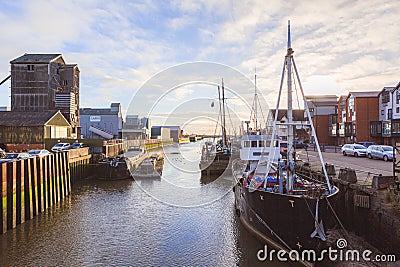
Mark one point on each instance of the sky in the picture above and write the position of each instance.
(125, 47)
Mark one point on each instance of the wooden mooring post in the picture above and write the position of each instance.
(30, 186)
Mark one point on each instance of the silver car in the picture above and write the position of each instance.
(39, 153)
(61, 147)
(355, 150)
(380, 152)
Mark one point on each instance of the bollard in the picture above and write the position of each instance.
(330, 169)
(348, 175)
(3, 200)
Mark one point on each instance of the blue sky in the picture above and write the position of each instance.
(340, 46)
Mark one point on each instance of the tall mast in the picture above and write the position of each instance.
(223, 116)
(289, 57)
(288, 63)
(220, 109)
(255, 98)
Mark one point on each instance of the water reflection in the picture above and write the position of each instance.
(119, 223)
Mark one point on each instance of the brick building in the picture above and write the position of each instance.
(361, 109)
(323, 111)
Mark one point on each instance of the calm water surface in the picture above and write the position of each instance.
(174, 221)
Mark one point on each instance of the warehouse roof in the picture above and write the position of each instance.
(35, 58)
(24, 118)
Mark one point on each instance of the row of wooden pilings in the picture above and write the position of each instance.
(30, 186)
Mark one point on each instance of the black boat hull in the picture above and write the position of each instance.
(216, 166)
(276, 217)
(106, 171)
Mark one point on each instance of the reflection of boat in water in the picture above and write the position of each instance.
(148, 169)
(277, 203)
(111, 168)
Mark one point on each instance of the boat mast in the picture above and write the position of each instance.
(224, 141)
(290, 167)
(255, 99)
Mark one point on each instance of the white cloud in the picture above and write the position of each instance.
(339, 45)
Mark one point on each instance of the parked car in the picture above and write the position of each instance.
(23, 155)
(6, 157)
(60, 147)
(367, 144)
(355, 150)
(16, 156)
(76, 145)
(3, 154)
(380, 152)
(39, 153)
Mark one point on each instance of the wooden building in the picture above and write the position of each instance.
(24, 130)
(44, 82)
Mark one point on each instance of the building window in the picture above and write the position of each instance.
(386, 128)
(385, 97)
(350, 104)
(397, 110)
(382, 112)
(390, 114)
(31, 67)
(246, 143)
(396, 127)
(65, 82)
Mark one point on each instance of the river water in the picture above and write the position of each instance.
(177, 220)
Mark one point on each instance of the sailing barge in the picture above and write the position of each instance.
(278, 205)
(216, 157)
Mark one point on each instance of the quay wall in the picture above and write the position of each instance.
(30, 186)
(370, 213)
